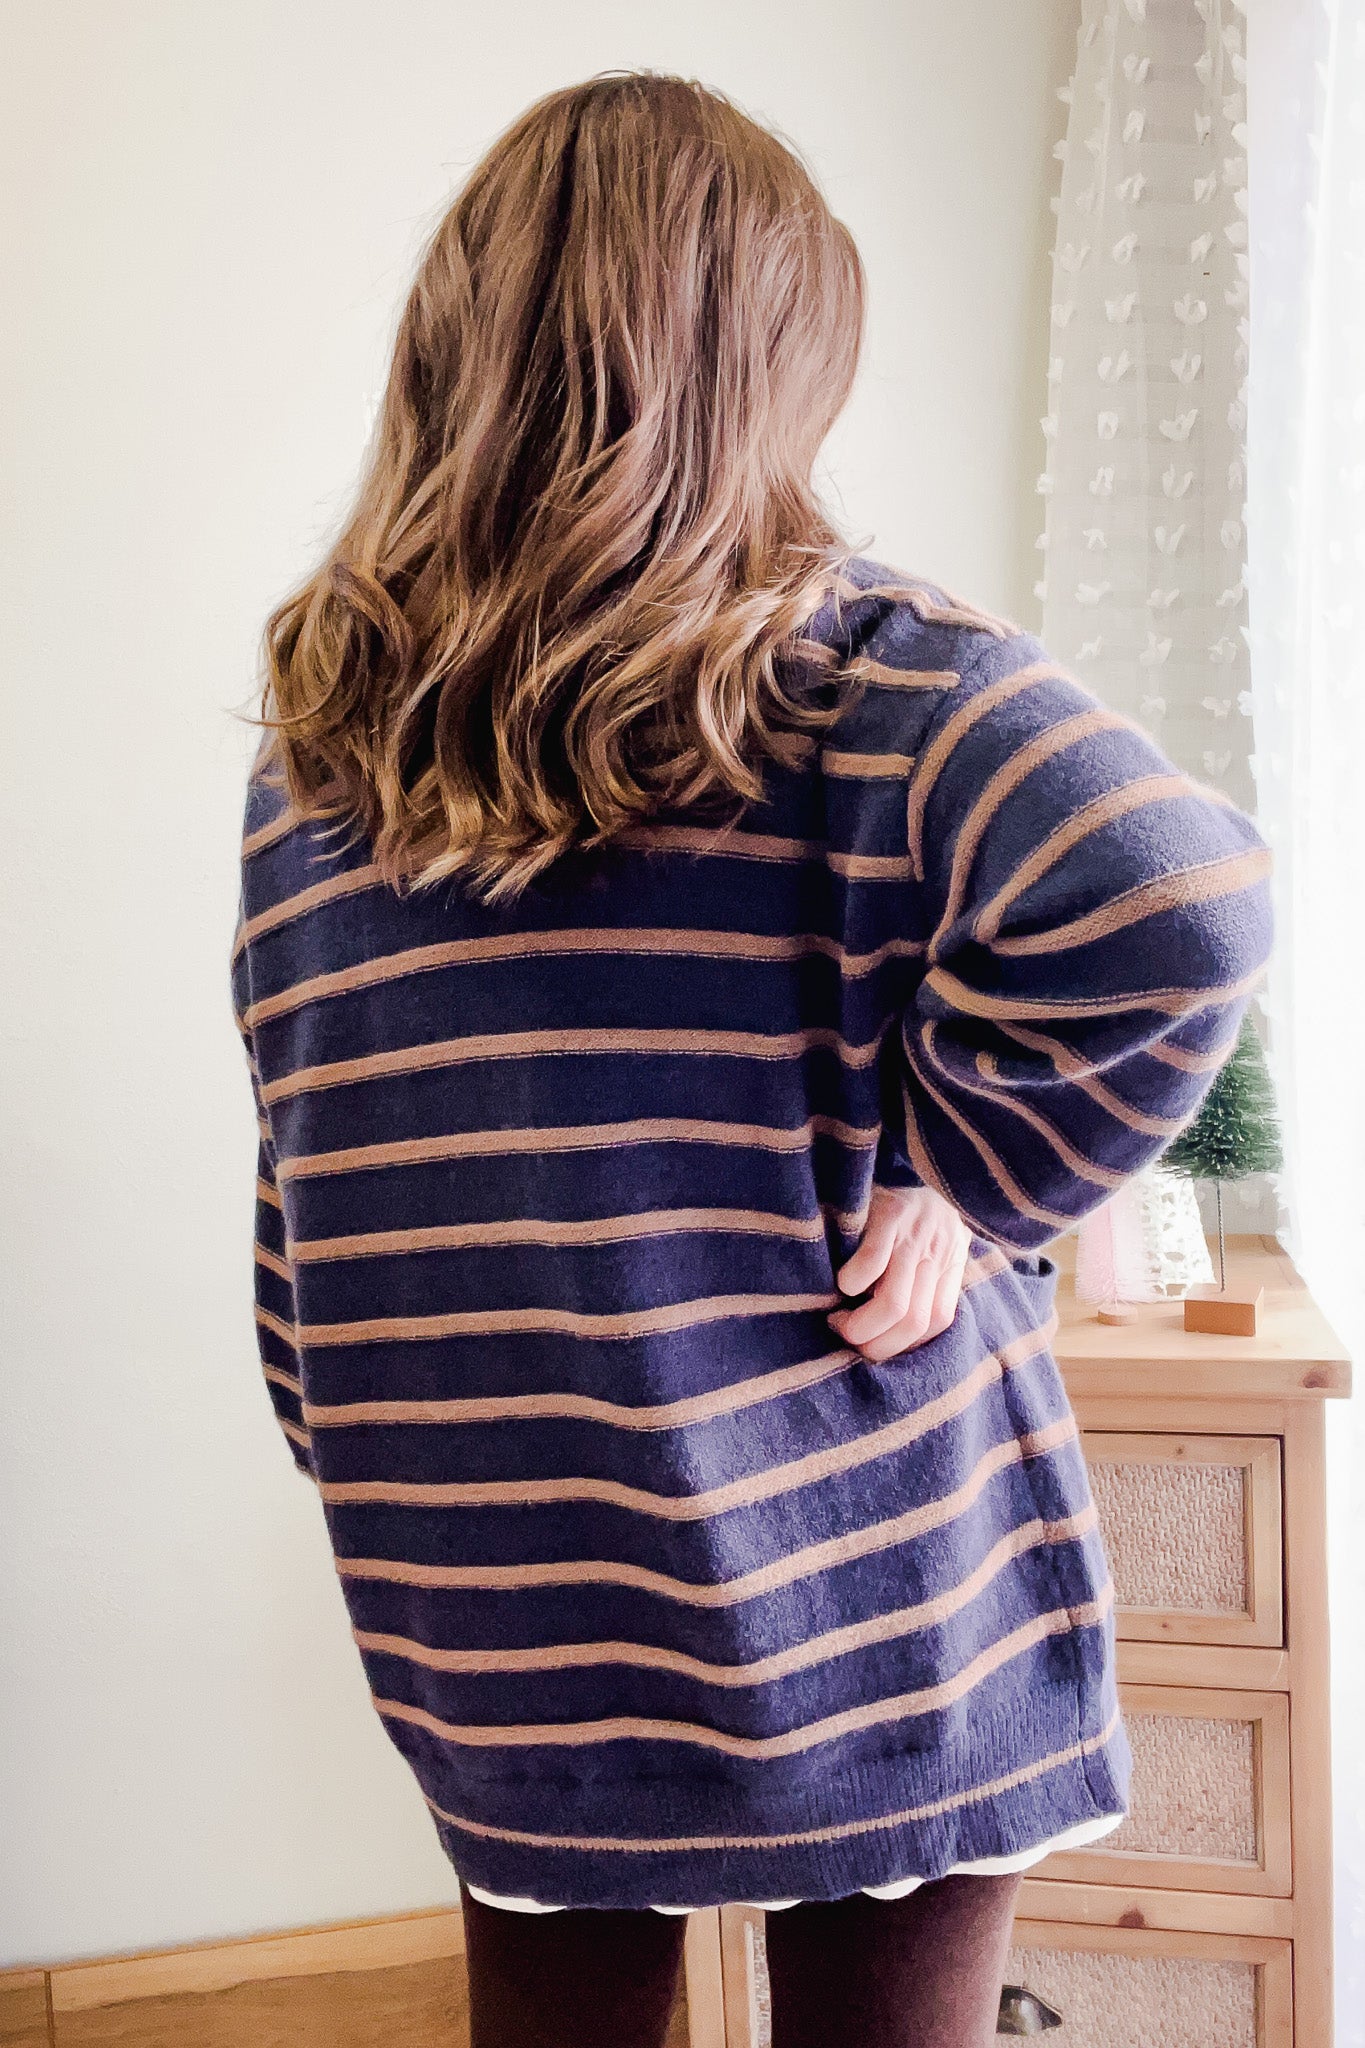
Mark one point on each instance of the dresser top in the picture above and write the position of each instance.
(1295, 1352)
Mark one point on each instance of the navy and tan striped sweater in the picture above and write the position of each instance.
(663, 1592)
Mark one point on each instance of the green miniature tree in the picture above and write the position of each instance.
(1236, 1132)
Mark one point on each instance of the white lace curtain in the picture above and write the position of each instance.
(1203, 569)
(1144, 542)
(1143, 545)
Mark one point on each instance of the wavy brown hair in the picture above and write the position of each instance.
(586, 537)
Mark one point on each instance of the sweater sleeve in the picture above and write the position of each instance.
(276, 1311)
(891, 1168)
(1097, 922)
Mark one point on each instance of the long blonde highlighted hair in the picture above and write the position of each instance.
(586, 538)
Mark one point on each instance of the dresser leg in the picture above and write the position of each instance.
(1310, 1732)
(705, 1980)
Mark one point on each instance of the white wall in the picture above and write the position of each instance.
(212, 212)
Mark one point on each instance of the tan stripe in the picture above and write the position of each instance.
(815, 651)
(1074, 1068)
(548, 1230)
(917, 1148)
(838, 1642)
(1076, 1072)
(284, 1379)
(1006, 779)
(957, 611)
(1005, 1095)
(764, 846)
(801, 747)
(680, 1414)
(871, 867)
(749, 845)
(1009, 1098)
(1201, 884)
(272, 1262)
(266, 835)
(867, 767)
(792, 1742)
(279, 1329)
(662, 940)
(853, 965)
(1123, 1112)
(884, 675)
(717, 1500)
(1173, 1002)
(300, 1436)
(579, 1137)
(473, 1408)
(839, 1831)
(782, 1571)
(265, 1193)
(1192, 1062)
(352, 882)
(509, 1045)
(935, 756)
(1009, 1187)
(719, 840)
(1090, 818)
(966, 613)
(641, 1322)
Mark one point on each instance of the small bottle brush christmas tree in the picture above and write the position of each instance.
(1236, 1132)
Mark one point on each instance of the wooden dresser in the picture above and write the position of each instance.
(1204, 1921)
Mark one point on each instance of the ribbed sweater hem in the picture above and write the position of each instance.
(1077, 1837)
(997, 1787)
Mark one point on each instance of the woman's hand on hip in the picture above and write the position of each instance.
(911, 1254)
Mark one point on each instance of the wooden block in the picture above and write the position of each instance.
(1232, 1314)
(1116, 1313)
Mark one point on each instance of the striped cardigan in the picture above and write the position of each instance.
(661, 1591)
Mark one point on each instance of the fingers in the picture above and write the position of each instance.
(930, 1310)
(947, 1294)
(904, 1290)
(868, 1263)
(916, 1278)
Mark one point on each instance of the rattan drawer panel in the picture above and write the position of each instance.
(1191, 1525)
(1128, 1988)
(1210, 1795)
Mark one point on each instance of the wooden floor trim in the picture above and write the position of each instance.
(25, 2009)
(216, 1966)
(183, 1997)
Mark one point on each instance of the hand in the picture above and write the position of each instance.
(912, 1253)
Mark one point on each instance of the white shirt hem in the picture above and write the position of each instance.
(984, 1866)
